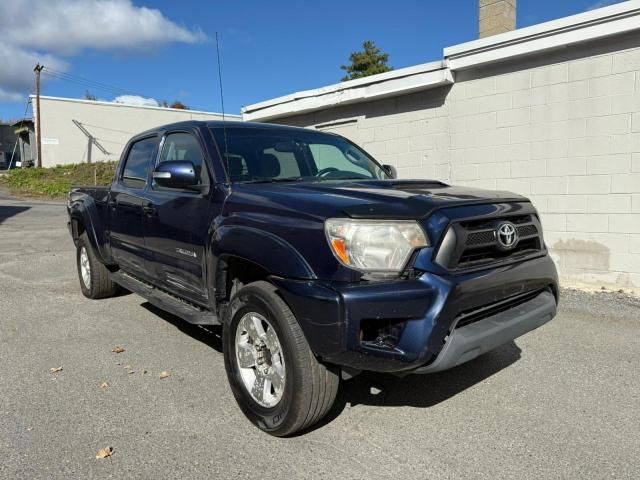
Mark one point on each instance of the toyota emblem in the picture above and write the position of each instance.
(507, 235)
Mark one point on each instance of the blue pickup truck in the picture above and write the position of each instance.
(316, 260)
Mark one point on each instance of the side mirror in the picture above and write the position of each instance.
(175, 174)
(391, 170)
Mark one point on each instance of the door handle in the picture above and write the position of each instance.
(149, 209)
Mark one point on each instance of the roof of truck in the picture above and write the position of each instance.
(220, 124)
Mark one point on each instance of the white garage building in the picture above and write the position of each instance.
(69, 124)
(551, 111)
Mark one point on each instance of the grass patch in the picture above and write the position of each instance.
(57, 181)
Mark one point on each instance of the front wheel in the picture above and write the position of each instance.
(276, 380)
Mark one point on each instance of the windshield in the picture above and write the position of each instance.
(271, 155)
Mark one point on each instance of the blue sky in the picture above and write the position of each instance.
(268, 48)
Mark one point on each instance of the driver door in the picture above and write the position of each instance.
(178, 220)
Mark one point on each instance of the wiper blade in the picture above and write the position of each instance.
(340, 179)
(275, 180)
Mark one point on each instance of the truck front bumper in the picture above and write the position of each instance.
(434, 322)
(469, 341)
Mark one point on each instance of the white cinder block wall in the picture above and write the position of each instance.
(562, 129)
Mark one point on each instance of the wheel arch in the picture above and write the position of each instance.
(269, 251)
(237, 248)
(81, 216)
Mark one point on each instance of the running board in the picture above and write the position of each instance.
(165, 301)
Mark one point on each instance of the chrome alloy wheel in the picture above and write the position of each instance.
(260, 359)
(85, 268)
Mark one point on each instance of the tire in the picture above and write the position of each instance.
(309, 387)
(94, 283)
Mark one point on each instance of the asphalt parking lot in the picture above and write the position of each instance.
(561, 402)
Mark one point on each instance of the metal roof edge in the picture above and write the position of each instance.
(582, 27)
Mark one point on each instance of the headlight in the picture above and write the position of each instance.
(374, 245)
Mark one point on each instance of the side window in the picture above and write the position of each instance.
(184, 147)
(136, 167)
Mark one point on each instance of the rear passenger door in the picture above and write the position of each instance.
(127, 203)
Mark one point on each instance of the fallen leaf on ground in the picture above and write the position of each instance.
(104, 385)
(104, 452)
(127, 366)
(117, 349)
(164, 375)
(131, 371)
(55, 370)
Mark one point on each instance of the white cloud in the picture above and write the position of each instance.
(10, 97)
(16, 74)
(136, 100)
(69, 26)
(46, 31)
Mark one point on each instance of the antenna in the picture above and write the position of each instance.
(224, 123)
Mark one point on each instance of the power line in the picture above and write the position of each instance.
(88, 84)
(87, 81)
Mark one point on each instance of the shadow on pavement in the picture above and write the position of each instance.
(384, 390)
(210, 335)
(7, 211)
(420, 391)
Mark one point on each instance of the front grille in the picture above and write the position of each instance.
(490, 253)
(473, 243)
(480, 238)
(527, 230)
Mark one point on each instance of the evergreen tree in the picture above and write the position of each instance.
(369, 61)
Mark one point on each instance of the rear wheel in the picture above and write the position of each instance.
(277, 381)
(94, 276)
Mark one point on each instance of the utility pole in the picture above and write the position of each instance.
(38, 69)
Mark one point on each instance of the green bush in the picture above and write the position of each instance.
(57, 181)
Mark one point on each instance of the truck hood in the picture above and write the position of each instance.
(380, 199)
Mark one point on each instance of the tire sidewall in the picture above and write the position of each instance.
(275, 418)
(82, 243)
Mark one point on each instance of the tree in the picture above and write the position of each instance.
(178, 104)
(89, 96)
(369, 61)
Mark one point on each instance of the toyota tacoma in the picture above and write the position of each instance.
(315, 259)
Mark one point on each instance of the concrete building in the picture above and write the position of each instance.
(26, 147)
(76, 131)
(16, 139)
(551, 111)
(7, 141)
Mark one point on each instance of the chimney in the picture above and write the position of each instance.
(497, 16)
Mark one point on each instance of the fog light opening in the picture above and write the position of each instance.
(381, 333)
